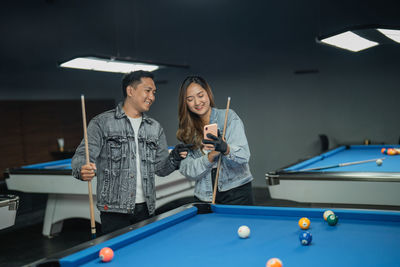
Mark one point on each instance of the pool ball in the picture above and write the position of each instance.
(379, 162)
(327, 213)
(391, 151)
(106, 254)
(304, 223)
(274, 262)
(305, 238)
(244, 231)
(332, 219)
(383, 150)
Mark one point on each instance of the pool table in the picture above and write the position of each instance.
(68, 197)
(365, 183)
(206, 235)
(8, 210)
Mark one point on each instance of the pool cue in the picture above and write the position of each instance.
(220, 157)
(341, 165)
(92, 221)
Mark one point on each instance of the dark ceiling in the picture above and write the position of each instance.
(207, 34)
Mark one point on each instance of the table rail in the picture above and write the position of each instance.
(273, 178)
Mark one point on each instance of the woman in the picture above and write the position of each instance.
(196, 109)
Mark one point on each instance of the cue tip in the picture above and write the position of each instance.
(229, 98)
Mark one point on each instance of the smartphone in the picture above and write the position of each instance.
(212, 129)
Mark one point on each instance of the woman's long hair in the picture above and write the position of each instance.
(190, 129)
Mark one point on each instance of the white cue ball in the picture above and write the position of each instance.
(244, 231)
(379, 162)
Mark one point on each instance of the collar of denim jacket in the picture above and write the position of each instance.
(213, 115)
(120, 113)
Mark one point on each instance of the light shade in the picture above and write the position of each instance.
(350, 41)
(392, 34)
(107, 64)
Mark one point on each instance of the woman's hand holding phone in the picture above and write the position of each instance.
(209, 129)
(213, 140)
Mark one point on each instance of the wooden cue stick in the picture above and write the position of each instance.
(220, 158)
(92, 221)
(342, 164)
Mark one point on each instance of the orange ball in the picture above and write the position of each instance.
(383, 150)
(391, 151)
(304, 223)
(106, 254)
(274, 262)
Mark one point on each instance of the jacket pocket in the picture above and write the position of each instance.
(233, 172)
(151, 152)
(110, 189)
(115, 150)
(151, 149)
(105, 187)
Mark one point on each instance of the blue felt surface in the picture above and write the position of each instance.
(64, 164)
(355, 153)
(359, 239)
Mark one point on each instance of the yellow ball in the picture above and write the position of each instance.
(327, 213)
(304, 223)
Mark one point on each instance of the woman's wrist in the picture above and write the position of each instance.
(210, 157)
(227, 150)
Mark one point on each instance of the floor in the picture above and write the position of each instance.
(23, 243)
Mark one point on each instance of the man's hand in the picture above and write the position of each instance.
(88, 171)
(216, 143)
(180, 151)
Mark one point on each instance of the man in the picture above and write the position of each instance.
(127, 148)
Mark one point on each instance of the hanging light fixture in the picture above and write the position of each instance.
(359, 38)
(392, 34)
(108, 64)
(117, 63)
(114, 64)
(350, 41)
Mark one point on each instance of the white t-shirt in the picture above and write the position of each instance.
(135, 122)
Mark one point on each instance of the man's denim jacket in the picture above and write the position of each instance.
(112, 148)
(234, 170)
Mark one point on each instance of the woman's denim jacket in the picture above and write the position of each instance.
(234, 170)
(112, 147)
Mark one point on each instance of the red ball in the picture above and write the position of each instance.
(106, 254)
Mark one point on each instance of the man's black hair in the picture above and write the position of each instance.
(134, 78)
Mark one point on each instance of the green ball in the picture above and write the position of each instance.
(332, 219)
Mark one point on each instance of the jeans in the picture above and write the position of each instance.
(241, 195)
(112, 221)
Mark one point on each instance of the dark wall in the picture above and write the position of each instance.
(30, 129)
(247, 50)
(284, 113)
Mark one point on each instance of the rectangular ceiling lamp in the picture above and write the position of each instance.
(392, 34)
(350, 41)
(107, 65)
